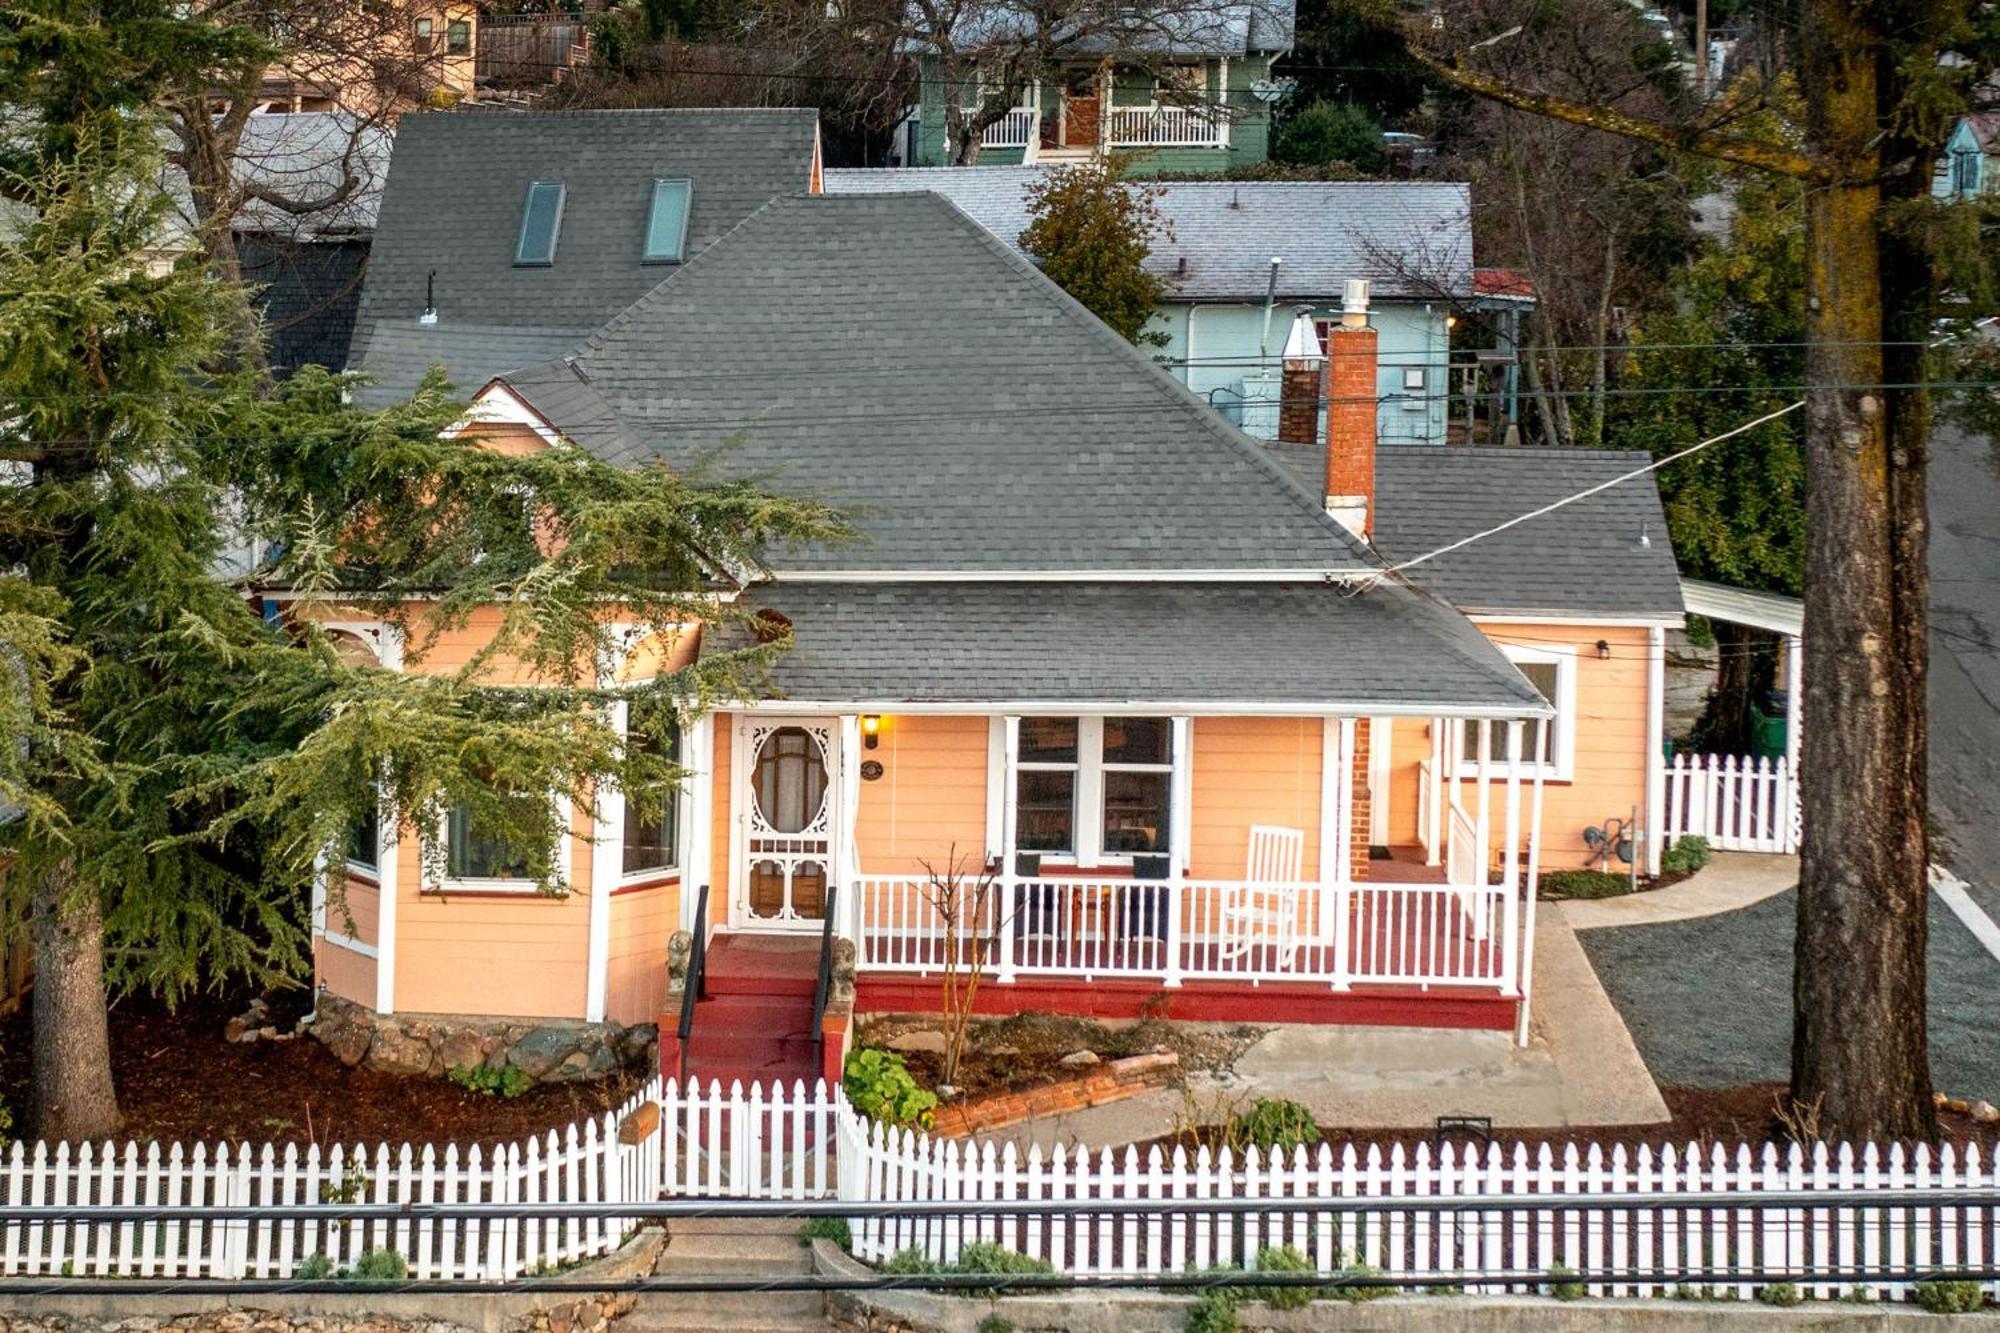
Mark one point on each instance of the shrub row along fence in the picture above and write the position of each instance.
(588, 1162)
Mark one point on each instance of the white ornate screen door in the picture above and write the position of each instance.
(787, 789)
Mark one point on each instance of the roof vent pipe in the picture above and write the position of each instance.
(1354, 304)
(430, 315)
(1270, 301)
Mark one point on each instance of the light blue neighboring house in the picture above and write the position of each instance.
(1229, 307)
(1970, 166)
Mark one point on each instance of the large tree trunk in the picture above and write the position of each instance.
(72, 1096)
(1859, 1052)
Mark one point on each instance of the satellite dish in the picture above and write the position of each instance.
(1271, 90)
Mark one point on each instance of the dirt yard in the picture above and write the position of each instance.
(1026, 1050)
(178, 1079)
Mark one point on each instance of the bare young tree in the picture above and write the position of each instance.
(964, 896)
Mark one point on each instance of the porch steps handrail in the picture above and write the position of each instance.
(823, 974)
(696, 980)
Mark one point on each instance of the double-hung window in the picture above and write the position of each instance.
(1552, 671)
(364, 843)
(1092, 789)
(652, 844)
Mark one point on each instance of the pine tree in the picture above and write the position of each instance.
(181, 758)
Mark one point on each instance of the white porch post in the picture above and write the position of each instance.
(1483, 857)
(389, 651)
(1533, 887)
(607, 863)
(1010, 825)
(1381, 754)
(846, 847)
(1510, 909)
(1656, 744)
(1336, 841)
(1180, 812)
(698, 756)
(1434, 812)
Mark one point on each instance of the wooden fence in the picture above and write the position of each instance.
(1737, 804)
(584, 1163)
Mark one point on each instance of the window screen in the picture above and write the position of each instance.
(541, 220)
(666, 224)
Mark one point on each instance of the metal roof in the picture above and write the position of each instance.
(1745, 606)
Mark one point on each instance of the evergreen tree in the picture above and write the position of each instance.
(182, 759)
(1091, 232)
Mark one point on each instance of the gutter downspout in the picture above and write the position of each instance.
(1270, 304)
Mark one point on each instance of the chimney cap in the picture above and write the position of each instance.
(1302, 343)
(1354, 304)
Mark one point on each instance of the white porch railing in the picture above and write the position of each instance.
(1210, 930)
(1015, 130)
(1165, 127)
(1737, 804)
(1461, 843)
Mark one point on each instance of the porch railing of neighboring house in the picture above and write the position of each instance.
(1737, 804)
(1017, 129)
(1165, 127)
(1451, 934)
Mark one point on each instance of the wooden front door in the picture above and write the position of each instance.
(1081, 110)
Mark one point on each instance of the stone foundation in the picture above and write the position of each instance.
(548, 1051)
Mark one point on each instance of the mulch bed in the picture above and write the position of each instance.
(178, 1079)
(1025, 1051)
(1702, 1116)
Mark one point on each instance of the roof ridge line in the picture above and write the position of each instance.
(1164, 384)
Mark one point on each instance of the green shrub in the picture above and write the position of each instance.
(6, 1123)
(1946, 1297)
(1560, 884)
(1782, 1294)
(1858, 1296)
(1356, 1293)
(880, 1086)
(993, 1323)
(1686, 856)
(983, 1258)
(506, 1081)
(1563, 1284)
(1328, 131)
(379, 1266)
(834, 1229)
(912, 1262)
(1273, 1122)
(316, 1268)
(1212, 1312)
(1281, 1259)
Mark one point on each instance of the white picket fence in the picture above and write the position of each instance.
(1737, 804)
(1641, 1251)
(1420, 1213)
(584, 1163)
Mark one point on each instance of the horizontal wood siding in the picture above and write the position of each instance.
(930, 802)
(1252, 770)
(357, 913)
(345, 973)
(720, 851)
(641, 921)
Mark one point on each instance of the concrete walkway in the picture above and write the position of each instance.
(1580, 1067)
(1731, 880)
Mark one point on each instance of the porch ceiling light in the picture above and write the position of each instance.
(871, 730)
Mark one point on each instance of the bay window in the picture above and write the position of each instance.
(1090, 789)
(475, 849)
(652, 843)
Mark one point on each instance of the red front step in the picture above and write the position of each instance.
(754, 1020)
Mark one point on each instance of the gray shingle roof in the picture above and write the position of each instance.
(453, 204)
(962, 410)
(1224, 28)
(1608, 555)
(1390, 648)
(1411, 238)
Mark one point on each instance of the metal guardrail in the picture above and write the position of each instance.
(823, 980)
(697, 976)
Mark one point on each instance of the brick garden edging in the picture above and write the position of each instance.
(1111, 1082)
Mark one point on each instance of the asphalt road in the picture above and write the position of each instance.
(1965, 659)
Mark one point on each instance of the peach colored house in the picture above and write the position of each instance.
(1094, 650)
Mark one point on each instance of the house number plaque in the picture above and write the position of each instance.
(871, 769)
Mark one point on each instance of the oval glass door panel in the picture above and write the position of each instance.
(789, 820)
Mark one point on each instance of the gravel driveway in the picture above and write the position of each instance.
(1709, 1001)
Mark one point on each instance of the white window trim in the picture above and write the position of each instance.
(1087, 797)
(445, 883)
(1560, 766)
(680, 823)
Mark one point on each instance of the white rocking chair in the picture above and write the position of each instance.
(1263, 912)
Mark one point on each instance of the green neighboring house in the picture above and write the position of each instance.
(1202, 104)
(1970, 166)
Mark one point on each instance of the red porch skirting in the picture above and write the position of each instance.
(1201, 1001)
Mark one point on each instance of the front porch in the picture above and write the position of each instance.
(1093, 110)
(1212, 868)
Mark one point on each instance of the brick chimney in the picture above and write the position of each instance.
(1350, 413)
(1301, 389)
